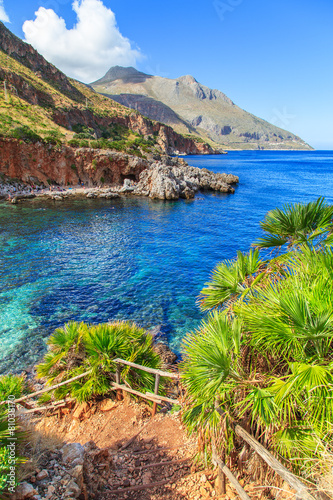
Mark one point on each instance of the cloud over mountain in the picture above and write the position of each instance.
(89, 48)
(3, 15)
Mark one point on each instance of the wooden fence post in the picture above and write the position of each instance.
(119, 391)
(221, 482)
(224, 470)
(289, 477)
(157, 383)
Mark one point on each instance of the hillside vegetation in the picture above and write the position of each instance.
(28, 111)
(39, 103)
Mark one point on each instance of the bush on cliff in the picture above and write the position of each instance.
(263, 358)
(79, 347)
(25, 133)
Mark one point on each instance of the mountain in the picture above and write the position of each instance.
(192, 108)
(40, 103)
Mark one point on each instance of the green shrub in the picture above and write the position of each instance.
(74, 143)
(52, 140)
(25, 133)
(79, 347)
(10, 385)
(83, 135)
(82, 129)
(118, 145)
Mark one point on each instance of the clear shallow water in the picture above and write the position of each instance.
(137, 259)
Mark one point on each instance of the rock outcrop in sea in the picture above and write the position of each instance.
(176, 179)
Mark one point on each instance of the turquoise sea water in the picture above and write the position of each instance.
(137, 259)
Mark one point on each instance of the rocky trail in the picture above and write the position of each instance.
(116, 450)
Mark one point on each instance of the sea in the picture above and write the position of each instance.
(137, 259)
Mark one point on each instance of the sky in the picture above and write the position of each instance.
(272, 58)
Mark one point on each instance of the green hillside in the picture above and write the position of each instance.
(39, 103)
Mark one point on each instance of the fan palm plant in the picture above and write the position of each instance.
(266, 361)
(213, 375)
(79, 347)
(232, 279)
(296, 224)
(10, 385)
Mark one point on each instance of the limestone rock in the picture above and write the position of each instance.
(178, 180)
(42, 475)
(73, 453)
(108, 196)
(80, 410)
(77, 473)
(107, 405)
(24, 490)
(72, 490)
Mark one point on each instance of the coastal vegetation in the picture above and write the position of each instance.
(13, 386)
(40, 104)
(75, 349)
(78, 348)
(263, 356)
(261, 359)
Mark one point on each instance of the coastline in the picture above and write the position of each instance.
(164, 179)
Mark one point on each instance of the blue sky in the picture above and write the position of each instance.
(272, 58)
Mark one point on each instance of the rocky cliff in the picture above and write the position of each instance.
(159, 177)
(192, 108)
(39, 163)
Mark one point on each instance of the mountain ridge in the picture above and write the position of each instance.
(192, 108)
(40, 101)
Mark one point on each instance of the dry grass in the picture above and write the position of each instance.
(34, 448)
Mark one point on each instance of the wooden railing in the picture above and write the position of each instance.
(302, 492)
(148, 395)
(154, 397)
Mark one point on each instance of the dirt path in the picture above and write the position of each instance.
(130, 455)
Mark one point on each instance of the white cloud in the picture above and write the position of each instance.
(86, 51)
(3, 15)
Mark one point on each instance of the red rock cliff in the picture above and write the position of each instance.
(36, 162)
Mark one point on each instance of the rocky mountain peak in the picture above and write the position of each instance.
(127, 75)
(187, 79)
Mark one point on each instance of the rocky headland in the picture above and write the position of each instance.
(36, 169)
(176, 179)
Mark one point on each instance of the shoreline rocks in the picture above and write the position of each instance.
(162, 178)
(171, 182)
